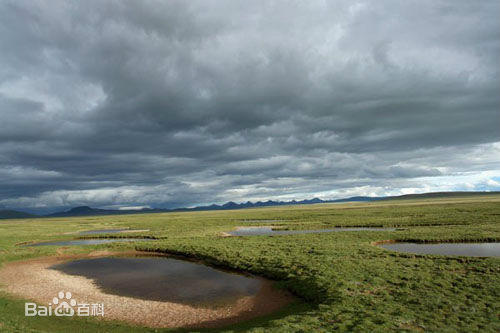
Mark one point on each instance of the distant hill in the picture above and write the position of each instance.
(14, 214)
(89, 211)
(358, 199)
(80, 211)
(437, 195)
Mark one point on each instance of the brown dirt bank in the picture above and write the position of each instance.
(32, 279)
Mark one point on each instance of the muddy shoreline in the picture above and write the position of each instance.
(34, 280)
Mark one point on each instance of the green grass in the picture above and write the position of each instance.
(346, 283)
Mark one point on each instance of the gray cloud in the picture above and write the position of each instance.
(182, 103)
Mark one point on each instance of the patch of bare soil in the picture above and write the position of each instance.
(32, 279)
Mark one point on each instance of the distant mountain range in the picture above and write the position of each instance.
(89, 211)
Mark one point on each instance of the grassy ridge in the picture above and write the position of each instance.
(349, 284)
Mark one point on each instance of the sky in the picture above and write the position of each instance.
(117, 104)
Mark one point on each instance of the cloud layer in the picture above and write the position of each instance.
(189, 102)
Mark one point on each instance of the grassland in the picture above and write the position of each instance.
(346, 283)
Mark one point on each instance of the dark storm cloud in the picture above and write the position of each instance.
(179, 103)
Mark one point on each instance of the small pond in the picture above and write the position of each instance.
(256, 231)
(89, 241)
(447, 249)
(163, 279)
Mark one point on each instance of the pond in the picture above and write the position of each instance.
(163, 279)
(89, 241)
(257, 231)
(447, 249)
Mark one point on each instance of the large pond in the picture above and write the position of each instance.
(448, 249)
(256, 231)
(163, 279)
(88, 241)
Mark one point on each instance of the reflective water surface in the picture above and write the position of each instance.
(256, 231)
(448, 249)
(162, 279)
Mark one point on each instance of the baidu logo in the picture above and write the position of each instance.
(64, 305)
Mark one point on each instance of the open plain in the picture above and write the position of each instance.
(342, 281)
